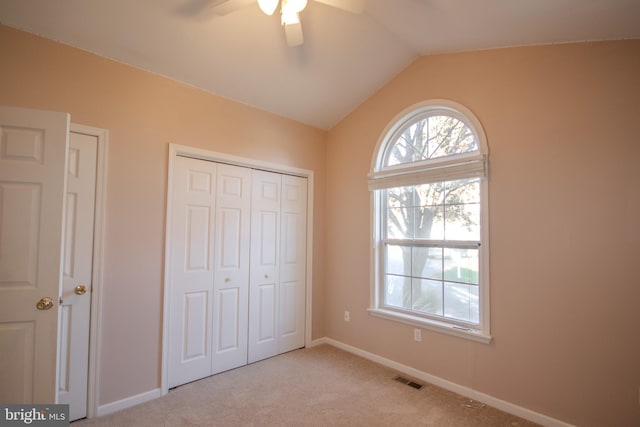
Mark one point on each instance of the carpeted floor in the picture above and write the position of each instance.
(319, 386)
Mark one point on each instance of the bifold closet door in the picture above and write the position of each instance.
(265, 271)
(293, 263)
(278, 264)
(193, 220)
(231, 269)
(238, 267)
(210, 269)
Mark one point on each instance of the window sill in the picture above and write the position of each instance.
(432, 325)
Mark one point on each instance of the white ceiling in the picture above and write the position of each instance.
(345, 58)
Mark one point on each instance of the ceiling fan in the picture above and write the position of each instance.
(289, 11)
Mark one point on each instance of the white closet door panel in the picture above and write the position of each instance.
(267, 239)
(288, 320)
(198, 219)
(193, 219)
(195, 310)
(227, 321)
(75, 310)
(231, 270)
(265, 256)
(231, 236)
(264, 313)
(293, 264)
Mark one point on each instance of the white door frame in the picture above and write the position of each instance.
(197, 153)
(102, 136)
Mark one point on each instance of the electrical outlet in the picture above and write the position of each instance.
(347, 316)
(417, 334)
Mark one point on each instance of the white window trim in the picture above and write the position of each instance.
(379, 178)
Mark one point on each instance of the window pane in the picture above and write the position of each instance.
(397, 291)
(463, 191)
(400, 223)
(461, 302)
(447, 135)
(409, 147)
(428, 222)
(462, 212)
(398, 260)
(427, 263)
(427, 296)
(461, 265)
(462, 222)
(400, 197)
(430, 194)
(430, 138)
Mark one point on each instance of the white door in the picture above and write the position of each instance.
(293, 261)
(193, 219)
(265, 271)
(33, 149)
(231, 271)
(237, 267)
(278, 264)
(75, 306)
(209, 269)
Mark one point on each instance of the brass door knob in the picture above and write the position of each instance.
(44, 304)
(80, 290)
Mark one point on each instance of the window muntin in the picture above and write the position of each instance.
(429, 191)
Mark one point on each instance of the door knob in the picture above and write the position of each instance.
(80, 290)
(44, 304)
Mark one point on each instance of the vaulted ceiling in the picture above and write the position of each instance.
(345, 58)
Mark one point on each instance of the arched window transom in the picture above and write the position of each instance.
(431, 135)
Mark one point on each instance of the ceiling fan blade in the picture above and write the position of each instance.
(294, 34)
(353, 6)
(225, 7)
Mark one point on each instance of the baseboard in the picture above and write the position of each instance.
(319, 341)
(503, 405)
(128, 402)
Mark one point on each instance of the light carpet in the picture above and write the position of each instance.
(319, 386)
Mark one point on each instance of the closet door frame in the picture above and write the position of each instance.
(197, 153)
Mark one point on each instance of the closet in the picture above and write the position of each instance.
(238, 267)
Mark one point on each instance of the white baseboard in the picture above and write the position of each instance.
(128, 402)
(503, 405)
(320, 341)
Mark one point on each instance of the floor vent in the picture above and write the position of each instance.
(408, 382)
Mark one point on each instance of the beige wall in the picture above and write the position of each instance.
(143, 113)
(562, 127)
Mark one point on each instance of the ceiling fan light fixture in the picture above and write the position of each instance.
(268, 6)
(294, 34)
(297, 5)
(289, 16)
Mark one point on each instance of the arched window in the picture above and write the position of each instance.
(430, 232)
